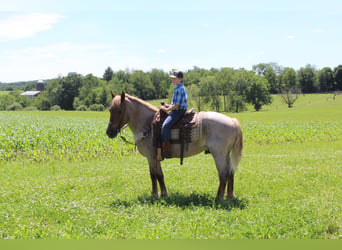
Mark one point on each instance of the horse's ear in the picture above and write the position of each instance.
(113, 95)
(122, 97)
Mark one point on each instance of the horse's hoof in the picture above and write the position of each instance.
(154, 195)
(218, 198)
(231, 197)
(164, 195)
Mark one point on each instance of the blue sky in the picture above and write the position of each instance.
(46, 39)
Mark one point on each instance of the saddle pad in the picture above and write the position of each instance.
(191, 133)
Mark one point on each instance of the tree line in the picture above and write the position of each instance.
(224, 89)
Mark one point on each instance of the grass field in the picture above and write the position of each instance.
(61, 177)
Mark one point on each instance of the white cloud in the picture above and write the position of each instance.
(51, 60)
(26, 25)
(291, 37)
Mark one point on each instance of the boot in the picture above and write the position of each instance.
(159, 154)
(167, 149)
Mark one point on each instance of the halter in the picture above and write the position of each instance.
(137, 139)
(120, 126)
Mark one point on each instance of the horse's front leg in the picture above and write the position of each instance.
(157, 175)
(154, 184)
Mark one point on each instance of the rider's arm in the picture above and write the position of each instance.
(169, 108)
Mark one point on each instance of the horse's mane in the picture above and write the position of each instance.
(146, 104)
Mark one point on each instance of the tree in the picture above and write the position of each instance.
(42, 102)
(290, 95)
(290, 87)
(271, 72)
(194, 94)
(194, 76)
(142, 85)
(257, 93)
(103, 97)
(338, 77)
(289, 79)
(160, 82)
(307, 79)
(236, 102)
(326, 80)
(5, 101)
(211, 90)
(225, 77)
(70, 86)
(108, 74)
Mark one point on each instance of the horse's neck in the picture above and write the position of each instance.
(140, 117)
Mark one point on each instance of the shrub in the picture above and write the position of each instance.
(82, 108)
(96, 107)
(14, 106)
(55, 108)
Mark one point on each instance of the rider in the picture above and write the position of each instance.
(176, 110)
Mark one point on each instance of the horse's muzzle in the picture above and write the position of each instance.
(112, 133)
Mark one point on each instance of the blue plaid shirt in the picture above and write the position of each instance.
(180, 97)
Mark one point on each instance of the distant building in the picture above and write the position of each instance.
(40, 85)
(30, 94)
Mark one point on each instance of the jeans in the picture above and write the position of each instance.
(173, 117)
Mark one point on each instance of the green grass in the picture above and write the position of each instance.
(288, 184)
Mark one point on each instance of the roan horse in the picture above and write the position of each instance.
(221, 136)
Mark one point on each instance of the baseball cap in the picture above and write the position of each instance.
(176, 74)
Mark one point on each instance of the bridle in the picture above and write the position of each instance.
(121, 126)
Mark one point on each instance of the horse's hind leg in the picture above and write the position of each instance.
(230, 180)
(157, 175)
(222, 169)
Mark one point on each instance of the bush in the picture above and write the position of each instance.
(14, 106)
(82, 108)
(96, 107)
(30, 108)
(55, 108)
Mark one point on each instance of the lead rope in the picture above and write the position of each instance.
(124, 138)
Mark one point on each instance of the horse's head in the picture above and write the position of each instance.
(118, 116)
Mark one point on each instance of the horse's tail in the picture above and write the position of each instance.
(237, 147)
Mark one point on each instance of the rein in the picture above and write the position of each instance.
(144, 133)
(126, 141)
(124, 138)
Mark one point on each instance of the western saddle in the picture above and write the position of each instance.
(183, 128)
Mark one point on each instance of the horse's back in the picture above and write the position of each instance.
(217, 120)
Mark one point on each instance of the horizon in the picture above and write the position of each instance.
(147, 71)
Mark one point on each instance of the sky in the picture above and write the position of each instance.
(47, 39)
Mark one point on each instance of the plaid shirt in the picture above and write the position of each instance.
(180, 97)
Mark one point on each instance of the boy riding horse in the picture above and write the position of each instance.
(175, 111)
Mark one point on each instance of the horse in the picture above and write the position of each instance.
(221, 136)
